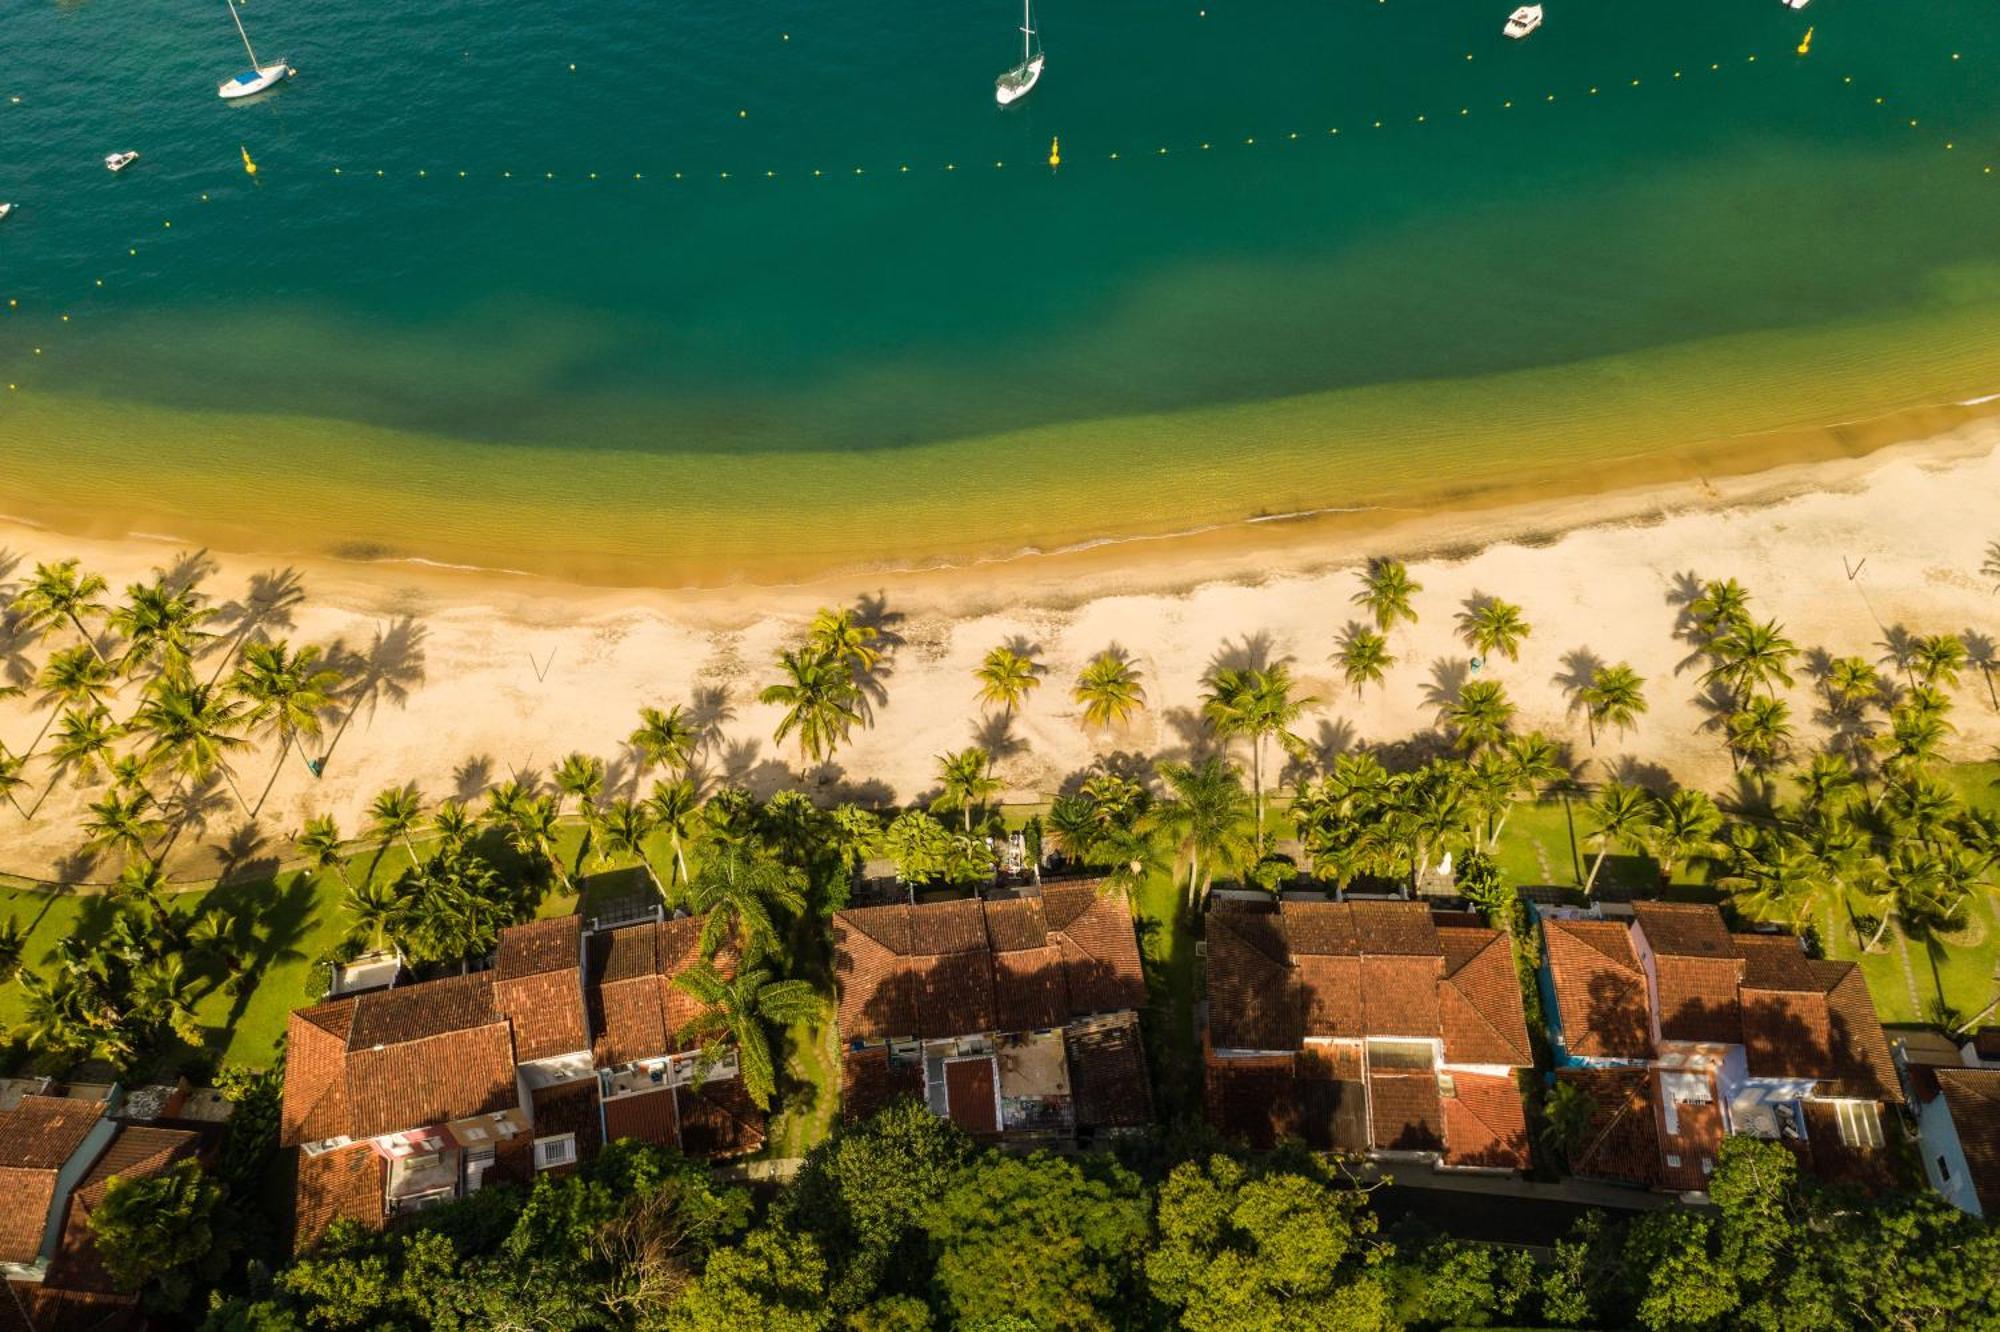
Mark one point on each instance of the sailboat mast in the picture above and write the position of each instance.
(1027, 30)
(240, 33)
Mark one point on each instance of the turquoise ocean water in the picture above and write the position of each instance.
(665, 357)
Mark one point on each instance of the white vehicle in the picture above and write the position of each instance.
(119, 161)
(1019, 81)
(1523, 21)
(256, 78)
(1797, 4)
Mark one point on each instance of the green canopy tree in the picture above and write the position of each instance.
(1481, 716)
(163, 1233)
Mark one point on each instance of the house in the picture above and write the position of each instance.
(1956, 1091)
(402, 1098)
(58, 1156)
(1682, 1032)
(1366, 1027)
(1017, 1017)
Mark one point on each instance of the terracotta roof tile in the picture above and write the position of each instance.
(540, 946)
(950, 993)
(37, 1138)
(1107, 1074)
(1874, 1169)
(1973, 1097)
(1028, 989)
(1251, 1099)
(315, 1104)
(136, 1153)
(538, 984)
(648, 1117)
(419, 1012)
(1330, 1093)
(1698, 970)
(1331, 988)
(571, 1107)
(869, 1081)
(347, 1182)
(1399, 995)
(1825, 1029)
(1600, 989)
(719, 1119)
(1016, 923)
(1402, 928)
(1485, 1123)
(943, 928)
(1684, 929)
(972, 1094)
(1623, 1141)
(1479, 1000)
(1100, 949)
(1321, 928)
(636, 1010)
(1254, 999)
(453, 1075)
(1404, 1113)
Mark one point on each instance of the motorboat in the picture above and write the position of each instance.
(1019, 81)
(1523, 21)
(119, 161)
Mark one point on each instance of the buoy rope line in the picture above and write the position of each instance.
(1054, 161)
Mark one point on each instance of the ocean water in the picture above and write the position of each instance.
(692, 291)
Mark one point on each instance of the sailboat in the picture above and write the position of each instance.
(256, 78)
(1019, 81)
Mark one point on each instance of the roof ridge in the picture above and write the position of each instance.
(852, 918)
(1480, 1013)
(1591, 944)
(1283, 934)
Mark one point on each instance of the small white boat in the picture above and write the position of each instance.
(1797, 4)
(1523, 21)
(259, 76)
(1019, 81)
(4, 210)
(119, 161)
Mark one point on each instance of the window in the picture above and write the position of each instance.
(1944, 1172)
(1860, 1123)
(556, 1151)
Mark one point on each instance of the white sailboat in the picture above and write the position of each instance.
(1019, 81)
(256, 78)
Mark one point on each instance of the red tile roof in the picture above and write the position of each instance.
(538, 984)
(1698, 971)
(1485, 1123)
(636, 1009)
(1876, 1169)
(869, 1081)
(37, 1138)
(1600, 989)
(1251, 1099)
(972, 1094)
(315, 1104)
(1809, 1018)
(964, 967)
(648, 1117)
(1107, 1074)
(719, 1119)
(571, 1107)
(1404, 1113)
(347, 1182)
(1623, 1141)
(1341, 970)
(1973, 1097)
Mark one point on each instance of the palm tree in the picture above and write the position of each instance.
(288, 694)
(1913, 741)
(120, 822)
(579, 775)
(735, 891)
(1007, 677)
(1363, 656)
(1750, 656)
(1777, 878)
(1851, 681)
(627, 825)
(841, 636)
(455, 827)
(1206, 815)
(194, 730)
(1938, 657)
(84, 737)
(665, 739)
(967, 780)
(162, 626)
(1256, 702)
(1489, 625)
(675, 806)
(1721, 608)
(1760, 731)
(1109, 690)
(1536, 763)
(161, 996)
(394, 815)
(1620, 813)
(821, 702)
(1683, 825)
(11, 780)
(1480, 716)
(1828, 777)
(1568, 1113)
(72, 678)
(1615, 696)
(534, 828)
(319, 840)
(13, 944)
(377, 910)
(61, 592)
(1386, 591)
(735, 1010)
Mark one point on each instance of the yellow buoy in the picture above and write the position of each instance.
(249, 167)
(1805, 45)
(1055, 152)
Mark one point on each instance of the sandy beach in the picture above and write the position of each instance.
(487, 677)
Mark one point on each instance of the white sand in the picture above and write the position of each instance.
(515, 673)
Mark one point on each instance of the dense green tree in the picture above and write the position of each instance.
(771, 1282)
(738, 1010)
(1259, 704)
(1206, 816)
(161, 1234)
(735, 892)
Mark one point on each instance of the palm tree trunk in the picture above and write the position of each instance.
(1881, 928)
(284, 748)
(1257, 785)
(84, 634)
(1595, 866)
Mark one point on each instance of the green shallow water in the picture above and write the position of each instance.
(702, 379)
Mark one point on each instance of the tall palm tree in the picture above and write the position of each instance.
(1480, 716)
(61, 591)
(735, 1009)
(1363, 656)
(13, 945)
(665, 739)
(125, 823)
(1568, 1114)
(320, 843)
(676, 805)
(1683, 825)
(377, 910)
(393, 816)
(1006, 678)
(735, 891)
(840, 635)
(1206, 815)
(534, 830)
(821, 701)
(627, 825)
(1537, 764)
(966, 780)
(1760, 732)
(1386, 593)
(1257, 703)
(72, 678)
(455, 827)
(194, 729)
(1777, 878)
(1824, 781)
(84, 737)
(287, 694)
(1720, 608)
(1490, 625)
(1938, 658)
(162, 626)
(1850, 682)
(11, 779)
(1913, 742)
(1109, 689)
(162, 995)
(1621, 813)
(581, 776)
(1750, 656)
(1615, 696)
